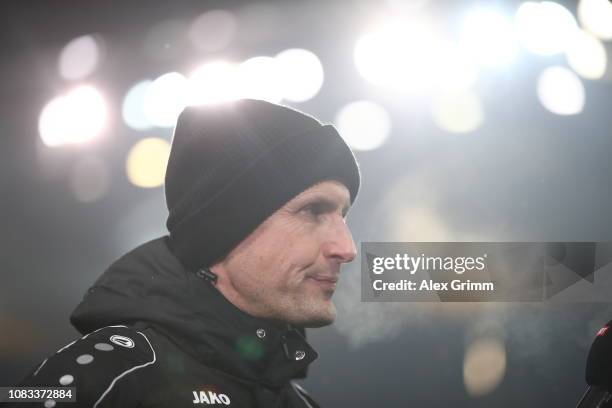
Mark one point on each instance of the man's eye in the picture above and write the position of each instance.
(312, 209)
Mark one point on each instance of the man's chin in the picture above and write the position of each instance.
(324, 316)
(313, 324)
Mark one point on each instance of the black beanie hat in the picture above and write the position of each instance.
(234, 164)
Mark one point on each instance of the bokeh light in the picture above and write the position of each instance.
(405, 7)
(80, 57)
(545, 28)
(458, 112)
(133, 106)
(417, 223)
(457, 72)
(561, 91)
(402, 55)
(166, 98)
(488, 37)
(89, 179)
(259, 79)
(587, 56)
(213, 82)
(409, 209)
(76, 117)
(213, 30)
(596, 17)
(484, 366)
(364, 125)
(146, 162)
(301, 74)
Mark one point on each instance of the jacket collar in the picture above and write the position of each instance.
(258, 349)
(149, 284)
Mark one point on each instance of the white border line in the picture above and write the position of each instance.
(66, 346)
(85, 336)
(39, 367)
(127, 372)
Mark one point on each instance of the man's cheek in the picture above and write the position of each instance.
(296, 283)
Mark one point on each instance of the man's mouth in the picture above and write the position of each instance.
(324, 281)
(322, 278)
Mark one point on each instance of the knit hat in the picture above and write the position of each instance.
(234, 164)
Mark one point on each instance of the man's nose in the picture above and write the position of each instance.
(339, 244)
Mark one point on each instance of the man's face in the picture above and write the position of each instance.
(288, 267)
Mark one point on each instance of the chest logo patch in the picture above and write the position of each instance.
(122, 341)
(210, 398)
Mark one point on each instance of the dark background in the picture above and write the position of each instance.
(524, 175)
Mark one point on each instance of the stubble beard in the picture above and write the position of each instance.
(305, 310)
(295, 305)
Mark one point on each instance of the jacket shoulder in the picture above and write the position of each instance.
(102, 366)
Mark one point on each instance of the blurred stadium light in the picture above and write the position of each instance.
(484, 366)
(165, 99)
(458, 112)
(586, 55)
(80, 57)
(596, 17)
(133, 106)
(215, 81)
(146, 162)
(301, 74)
(76, 117)
(406, 53)
(258, 78)
(560, 25)
(401, 54)
(487, 36)
(561, 91)
(364, 125)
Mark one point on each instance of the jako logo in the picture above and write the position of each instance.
(122, 341)
(209, 398)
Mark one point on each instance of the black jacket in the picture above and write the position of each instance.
(161, 336)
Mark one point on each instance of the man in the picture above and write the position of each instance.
(214, 314)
